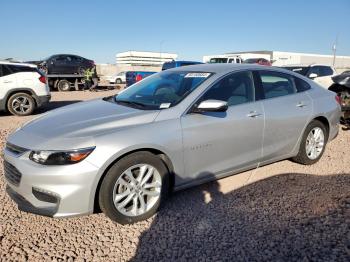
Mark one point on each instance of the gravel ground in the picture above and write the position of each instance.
(279, 212)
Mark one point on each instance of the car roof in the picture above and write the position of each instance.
(220, 68)
(19, 64)
(65, 55)
(305, 65)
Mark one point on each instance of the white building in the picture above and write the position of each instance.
(279, 58)
(138, 58)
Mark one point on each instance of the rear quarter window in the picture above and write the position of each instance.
(5, 70)
(20, 69)
(301, 85)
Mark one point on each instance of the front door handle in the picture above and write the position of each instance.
(301, 104)
(253, 114)
(7, 81)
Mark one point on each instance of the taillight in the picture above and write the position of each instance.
(338, 99)
(138, 78)
(42, 79)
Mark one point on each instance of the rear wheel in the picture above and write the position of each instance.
(118, 81)
(63, 85)
(313, 143)
(134, 188)
(21, 104)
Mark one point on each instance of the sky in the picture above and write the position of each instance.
(34, 29)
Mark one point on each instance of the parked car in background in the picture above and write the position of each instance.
(341, 87)
(64, 64)
(321, 74)
(172, 64)
(23, 88)
(118, 78)
(173, 130)
(225, 59)
(131, 77)
(259, 61)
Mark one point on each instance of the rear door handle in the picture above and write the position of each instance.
(7, 81)
(253, 114)
(301, 104)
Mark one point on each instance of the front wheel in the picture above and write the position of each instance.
(313, 143)
(118, 81)
(134, 188)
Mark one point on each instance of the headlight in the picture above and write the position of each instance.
(48, 157)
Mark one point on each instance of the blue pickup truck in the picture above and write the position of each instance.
(131, 77)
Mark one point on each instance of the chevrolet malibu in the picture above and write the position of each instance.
(124, 154)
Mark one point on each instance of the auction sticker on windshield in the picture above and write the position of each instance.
(204, 75)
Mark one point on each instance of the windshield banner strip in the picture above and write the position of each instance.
(204, 75)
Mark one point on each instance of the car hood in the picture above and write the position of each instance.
(76, 125)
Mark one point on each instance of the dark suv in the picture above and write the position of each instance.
(64, 64)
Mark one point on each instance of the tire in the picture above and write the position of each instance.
(304, 156)
(118, 81)
(21, 104)
(63, 85)
(114, 182)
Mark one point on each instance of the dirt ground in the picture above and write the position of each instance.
(279, 212)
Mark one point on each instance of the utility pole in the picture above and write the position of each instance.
(335, 49)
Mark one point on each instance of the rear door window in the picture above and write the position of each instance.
(276, 84)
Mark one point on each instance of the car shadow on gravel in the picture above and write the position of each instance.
(290, 217)
(54, 105)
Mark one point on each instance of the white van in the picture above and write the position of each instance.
(223, 59)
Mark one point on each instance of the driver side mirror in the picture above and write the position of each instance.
(211, 105)
(313, 75)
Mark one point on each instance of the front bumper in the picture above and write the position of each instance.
(55, 191)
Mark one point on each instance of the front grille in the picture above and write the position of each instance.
(17, 150)
(12, 174)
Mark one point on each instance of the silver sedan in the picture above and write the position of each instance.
(124, 154)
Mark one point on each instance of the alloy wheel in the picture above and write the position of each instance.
(21, 104)
(314, 143)
(137, 190)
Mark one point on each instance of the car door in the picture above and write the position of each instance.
(8, 80)
(287, 112)
(71, 65)
(57, 64)
(216, 142)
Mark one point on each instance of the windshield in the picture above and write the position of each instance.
(298, 69)
(218, 60)
(162, 90)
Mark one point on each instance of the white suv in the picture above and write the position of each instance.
(22, 88)
(321, 74)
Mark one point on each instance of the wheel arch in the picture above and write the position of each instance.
(163, 156)
(11, 92)
(324, 121)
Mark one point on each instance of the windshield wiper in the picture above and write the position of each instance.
(132, 103)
